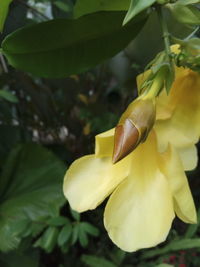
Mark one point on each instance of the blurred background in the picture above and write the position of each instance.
(45, 124)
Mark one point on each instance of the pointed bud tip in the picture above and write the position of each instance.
(125, 141)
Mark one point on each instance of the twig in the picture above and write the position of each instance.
(3, 63)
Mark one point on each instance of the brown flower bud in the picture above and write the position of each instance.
(133, 127)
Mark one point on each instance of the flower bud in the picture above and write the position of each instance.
(133, 127)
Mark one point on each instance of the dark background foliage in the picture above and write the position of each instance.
(45, 124)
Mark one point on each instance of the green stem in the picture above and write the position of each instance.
(165, 34)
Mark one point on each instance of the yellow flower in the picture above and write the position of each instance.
(147, 187)
(178, 116)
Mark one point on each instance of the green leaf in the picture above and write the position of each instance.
(82, 236)
(3, 12)
(48, 240)
(192, 228)
(90, 229)
(8, 96)
(117, 256)
(58, 221)
(75, 232)
(75, 215)
(64, 234)
(20, 227)
(62, 47)
(177, 245)
(30, 189)
(84, 7)
(185, 14)
(136, 7)
(93, 261)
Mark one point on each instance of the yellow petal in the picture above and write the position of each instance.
(89, 180)
(183, 103)
(168, 133)
(184, 98)
(164, 108)
(104, 143)
(140, 211)
(187, 97)
(175, 48)
(189, 157)
(172, 167)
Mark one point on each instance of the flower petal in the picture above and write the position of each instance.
(184, 101)
(183, 202)
(89, 180)
(164, 108)
(104, 143)
(168, 131)
(189, 157)
(184, 145)
(187, 112)
(166, 134)
(140, 211)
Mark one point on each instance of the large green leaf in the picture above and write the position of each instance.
(62, 47)
(84, 7)
(136, 7)
(30, 187)
(3, 12)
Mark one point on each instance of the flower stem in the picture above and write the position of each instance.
(165, 34)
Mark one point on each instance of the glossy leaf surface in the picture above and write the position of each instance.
(30, 189)
(63, 47)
